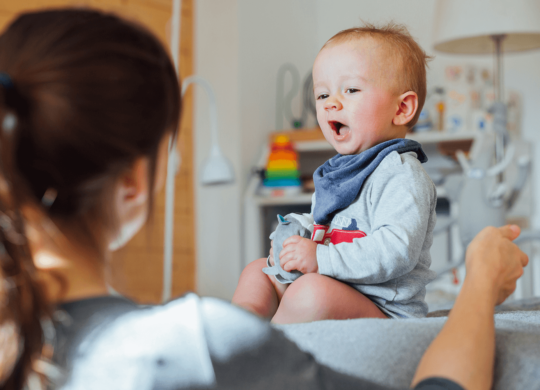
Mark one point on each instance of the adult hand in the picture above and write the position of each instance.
(300, 254)
(464, 350)
(493, 258)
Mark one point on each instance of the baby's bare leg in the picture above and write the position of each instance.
(257, 292)
(314, 297)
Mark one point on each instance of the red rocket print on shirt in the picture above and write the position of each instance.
(336, 236)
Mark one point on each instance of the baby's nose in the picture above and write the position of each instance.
(332, 103)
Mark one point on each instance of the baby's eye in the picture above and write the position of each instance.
(322, 96)
(352, 90)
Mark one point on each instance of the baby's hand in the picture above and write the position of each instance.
(299, 253)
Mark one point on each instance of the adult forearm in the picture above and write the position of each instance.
(465, 348)
(464, 351)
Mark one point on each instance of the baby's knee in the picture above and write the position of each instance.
(255, 266)
(307, 291)
(304, 301)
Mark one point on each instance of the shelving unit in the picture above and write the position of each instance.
(306, 141)
(422, 138)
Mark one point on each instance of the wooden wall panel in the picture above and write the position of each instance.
(136, 270)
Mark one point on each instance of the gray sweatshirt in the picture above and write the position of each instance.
(380, 244)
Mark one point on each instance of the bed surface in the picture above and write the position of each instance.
(388, 351)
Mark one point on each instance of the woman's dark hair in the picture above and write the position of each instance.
(83, 95)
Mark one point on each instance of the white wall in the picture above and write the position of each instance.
(218, 208)
(240, 45)
(271, 33)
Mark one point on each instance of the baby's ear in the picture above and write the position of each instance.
(408, 105)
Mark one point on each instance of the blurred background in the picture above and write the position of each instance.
(257, 56)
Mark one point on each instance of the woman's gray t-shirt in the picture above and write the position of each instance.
(189, 343)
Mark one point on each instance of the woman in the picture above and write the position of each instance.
(87, 104)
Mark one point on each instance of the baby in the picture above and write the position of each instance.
(373, 210)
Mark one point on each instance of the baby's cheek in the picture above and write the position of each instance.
(366, 113)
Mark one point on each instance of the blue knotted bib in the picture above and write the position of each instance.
(339, 180)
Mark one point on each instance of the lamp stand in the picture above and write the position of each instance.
(499, 108)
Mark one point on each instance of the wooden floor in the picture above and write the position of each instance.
(137, 269)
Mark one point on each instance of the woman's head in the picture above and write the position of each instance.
(91, 94)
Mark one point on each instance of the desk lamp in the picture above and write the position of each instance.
(488, 27)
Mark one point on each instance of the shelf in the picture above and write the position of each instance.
(298, 135)
(312, 146)
(302, 198)
(431, 137)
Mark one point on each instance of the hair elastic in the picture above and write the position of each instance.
(10, 121)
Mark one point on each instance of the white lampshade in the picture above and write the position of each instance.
(466, 26)
(217, 169)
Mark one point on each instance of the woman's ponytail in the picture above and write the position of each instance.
(22, 303)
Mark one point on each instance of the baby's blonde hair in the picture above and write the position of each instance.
(413, 64)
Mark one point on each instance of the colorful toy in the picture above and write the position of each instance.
(282, 167)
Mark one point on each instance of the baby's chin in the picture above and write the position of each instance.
(348, 150)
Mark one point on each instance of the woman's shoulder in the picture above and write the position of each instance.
(180, 344)
(142, 345)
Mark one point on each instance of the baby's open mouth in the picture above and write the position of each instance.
(338, 127)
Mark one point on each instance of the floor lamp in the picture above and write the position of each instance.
(488, 27)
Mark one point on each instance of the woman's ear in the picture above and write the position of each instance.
(133, 183)
(131, 194)
(131, 198)
(408, 105)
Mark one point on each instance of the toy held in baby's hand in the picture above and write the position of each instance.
(286, 228)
